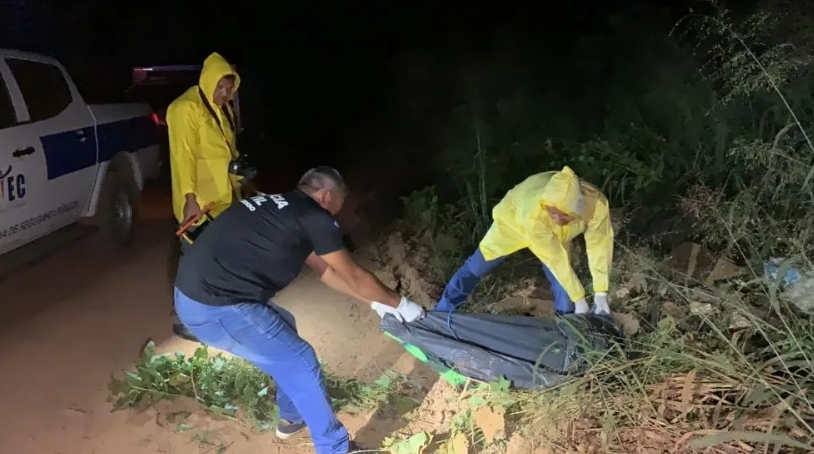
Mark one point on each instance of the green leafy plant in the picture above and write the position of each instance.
(229, 386)
(217, 383)
(407, 444)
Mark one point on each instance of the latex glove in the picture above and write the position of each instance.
(410, 311)
(383, 309)
(407, 311)
(581, 306)
(601, 304)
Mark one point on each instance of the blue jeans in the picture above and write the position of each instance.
(266, 336)
(475, 268)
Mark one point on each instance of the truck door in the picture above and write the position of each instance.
(63, 129)
(23, 175)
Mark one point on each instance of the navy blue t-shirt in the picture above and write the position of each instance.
(255, 248)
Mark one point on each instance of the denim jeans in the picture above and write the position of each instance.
(266, 335)
(475, 268)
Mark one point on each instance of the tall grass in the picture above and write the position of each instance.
(725, 366)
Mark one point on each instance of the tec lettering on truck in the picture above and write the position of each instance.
(12, 188)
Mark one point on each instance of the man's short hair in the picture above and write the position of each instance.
(322, 177)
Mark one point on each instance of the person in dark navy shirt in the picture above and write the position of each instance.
(250, 252)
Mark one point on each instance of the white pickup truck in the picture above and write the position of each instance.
(63, 161)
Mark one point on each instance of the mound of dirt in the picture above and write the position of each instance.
(400, 264)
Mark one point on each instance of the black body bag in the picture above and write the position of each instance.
(530, 352)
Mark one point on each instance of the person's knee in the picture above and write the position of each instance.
(308, 355)
(302, 356)
(477, 265)
(302, 376)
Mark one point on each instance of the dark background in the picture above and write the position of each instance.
(341, 83)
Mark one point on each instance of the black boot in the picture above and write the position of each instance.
(181, 331)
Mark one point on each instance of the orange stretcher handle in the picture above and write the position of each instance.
(189, 223)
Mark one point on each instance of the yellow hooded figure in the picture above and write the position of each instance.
(201, 127)
(545, 213)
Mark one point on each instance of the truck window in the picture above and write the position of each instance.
(7, 116)
(44, 89)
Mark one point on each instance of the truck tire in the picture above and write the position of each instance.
(118, 209)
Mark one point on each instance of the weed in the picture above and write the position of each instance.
(228, 386)
(411, 444)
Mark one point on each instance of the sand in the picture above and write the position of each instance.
(71, 320)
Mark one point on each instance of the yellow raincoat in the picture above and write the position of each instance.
(200, 150)
(521, 221)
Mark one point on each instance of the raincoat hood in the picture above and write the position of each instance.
(564, 192)
(214, 68)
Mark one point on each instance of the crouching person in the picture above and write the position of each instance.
(545, 213)
(250, 252)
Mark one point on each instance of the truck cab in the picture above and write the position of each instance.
(62, 160)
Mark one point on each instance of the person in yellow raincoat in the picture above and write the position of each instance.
(201, 127)
(545, 213)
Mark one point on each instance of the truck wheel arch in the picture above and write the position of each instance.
(126, 166)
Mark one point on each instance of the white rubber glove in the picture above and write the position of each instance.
(383, 309)
(581, 306)
(407, 311)
(601, 304)
(410, 311)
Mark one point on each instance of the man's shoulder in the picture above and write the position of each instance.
(299, 199)
(289, 203)
(307, 208)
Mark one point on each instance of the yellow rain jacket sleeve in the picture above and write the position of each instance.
(182, 129)
(521, 221)
(200, 149)
(599, 240)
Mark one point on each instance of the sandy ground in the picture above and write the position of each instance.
(71, 320)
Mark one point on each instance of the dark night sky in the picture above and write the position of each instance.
(314, 70)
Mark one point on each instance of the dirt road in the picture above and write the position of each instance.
(70, 321)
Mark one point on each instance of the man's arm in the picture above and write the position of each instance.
(360, 281)
(183, 138)
(326, 239)
(330, 277)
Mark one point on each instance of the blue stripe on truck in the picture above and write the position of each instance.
(125, 135)
(65, 153)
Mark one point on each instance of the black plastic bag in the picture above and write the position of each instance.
(530, 352)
